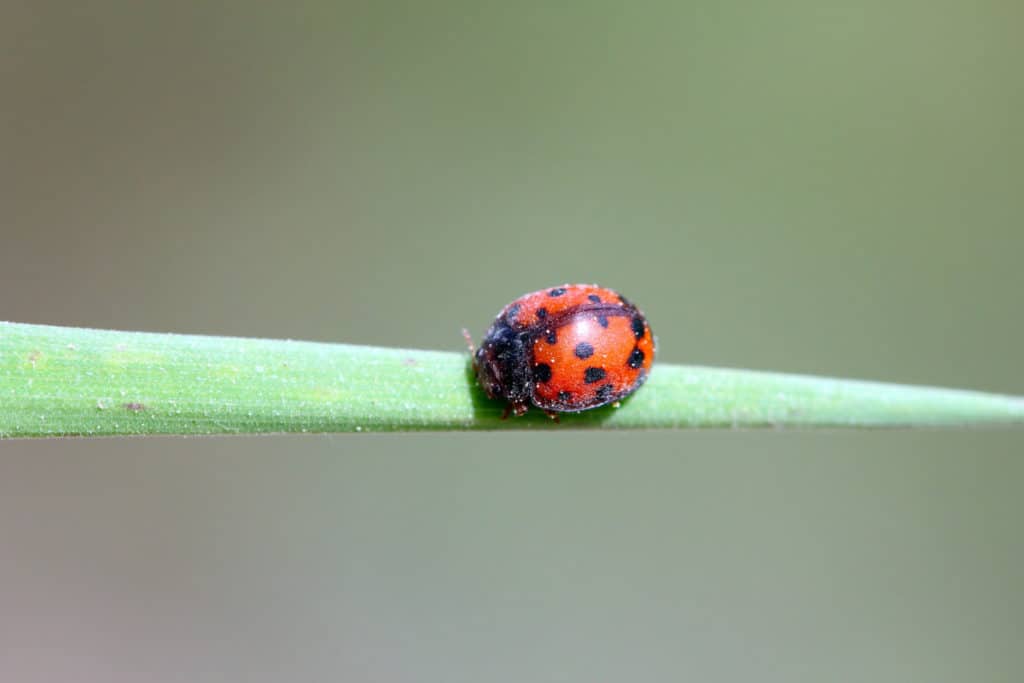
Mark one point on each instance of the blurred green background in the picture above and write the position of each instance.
(801, 186)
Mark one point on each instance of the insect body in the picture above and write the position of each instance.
(565, 349)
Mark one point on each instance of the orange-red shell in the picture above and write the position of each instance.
(566, 349)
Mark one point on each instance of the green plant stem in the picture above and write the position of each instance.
(58, 381)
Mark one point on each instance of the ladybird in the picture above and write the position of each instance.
(565, 349)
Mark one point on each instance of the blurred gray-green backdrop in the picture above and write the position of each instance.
(818, 187)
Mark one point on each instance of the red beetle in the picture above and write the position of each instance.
(565, 349)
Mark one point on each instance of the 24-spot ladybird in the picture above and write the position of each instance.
(565, 349)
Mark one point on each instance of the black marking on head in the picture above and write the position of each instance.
(595, 298)
(638, 326)
(604, 392)
(512, 312)
(584, 350)
(557, 291)
(502, 366)
(564, 396)
(602, 320)
(636, 359)
(551, 337)
(593, 375)
(542, 372)
(542, 313)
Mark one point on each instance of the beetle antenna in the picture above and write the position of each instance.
(469, 340)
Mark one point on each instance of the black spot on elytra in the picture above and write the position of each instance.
(604, 392)
(584, 350)
(542, 313)
(551, 337)
(564, 396)
(511, 313)
(636, 359)
(602, 320)
(542, 372)
(638, 327)
(593, 375)
(595, 298)
(558, 291)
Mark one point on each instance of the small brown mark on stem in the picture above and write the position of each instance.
(33, 356)
(410, 362)
(134, 407)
